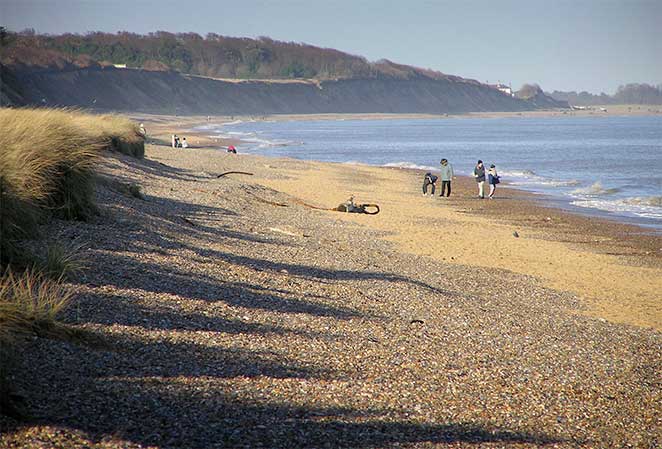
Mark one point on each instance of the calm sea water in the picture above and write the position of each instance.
(606, 165)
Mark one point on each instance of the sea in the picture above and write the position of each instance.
(610, 166)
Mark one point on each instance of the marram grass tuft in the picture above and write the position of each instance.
(47, 158)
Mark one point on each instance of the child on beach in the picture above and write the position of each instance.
(492, 179)
(184, 143)
(479, 175)
(446, 177)
(429, 179)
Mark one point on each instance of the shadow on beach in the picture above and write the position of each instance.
(171, 389)
(158, 406)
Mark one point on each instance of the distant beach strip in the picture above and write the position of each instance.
(596, 166)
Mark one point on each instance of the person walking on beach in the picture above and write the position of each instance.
(492, 179)
(173, 141)
(429, 179)
(446, 177)
(479, 175)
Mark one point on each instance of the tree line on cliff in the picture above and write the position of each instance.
(633, 93)
(213, 56)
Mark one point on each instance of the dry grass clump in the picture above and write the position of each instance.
(46, 165)
(119, 133)
(29, 305)
(61, 262)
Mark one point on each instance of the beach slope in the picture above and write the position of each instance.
(239, 313)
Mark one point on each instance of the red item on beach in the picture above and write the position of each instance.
(232, 149)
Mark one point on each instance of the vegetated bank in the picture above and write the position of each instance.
(46, 170)
(165, 73)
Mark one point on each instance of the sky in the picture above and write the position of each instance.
(592, 45)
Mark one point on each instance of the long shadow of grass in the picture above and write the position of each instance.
(171, 280)
(153, 318)
(153, 412)
(155, 168)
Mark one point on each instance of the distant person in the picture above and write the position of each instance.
(429, 180)
(479, 175)
(184, 143)
(232, 149)
(446, 177)
(173, 141)
(492, 179)
(142, 130)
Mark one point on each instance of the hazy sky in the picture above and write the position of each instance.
(593, 45)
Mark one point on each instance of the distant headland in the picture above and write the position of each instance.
(187, 74)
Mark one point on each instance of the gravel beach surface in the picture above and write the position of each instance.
(234, 315)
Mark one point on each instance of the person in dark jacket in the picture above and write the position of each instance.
(429, 180)
(479, 175)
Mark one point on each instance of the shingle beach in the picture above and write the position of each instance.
(236, 315)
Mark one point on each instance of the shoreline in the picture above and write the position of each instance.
(203, 140)
(626, 254)
(558, 199)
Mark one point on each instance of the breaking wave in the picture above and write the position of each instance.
(651, 201)
(409, 165)
(531, 178)
(638, 207)
(594, 190)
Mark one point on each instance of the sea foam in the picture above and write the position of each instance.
(594, 189)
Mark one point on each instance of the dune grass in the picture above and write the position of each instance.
(61, 262)
(46, 167)
(29, 305)
(47, 161)
(118, 133)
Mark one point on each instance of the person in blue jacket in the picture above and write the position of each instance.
(492, 179)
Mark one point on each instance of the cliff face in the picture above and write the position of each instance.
(172, 92)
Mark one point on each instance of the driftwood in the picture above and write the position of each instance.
(350, 206)
(347, 206)
(234, 173)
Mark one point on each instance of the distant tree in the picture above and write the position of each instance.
(529, 91)
(638, 94)
(628, 94)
